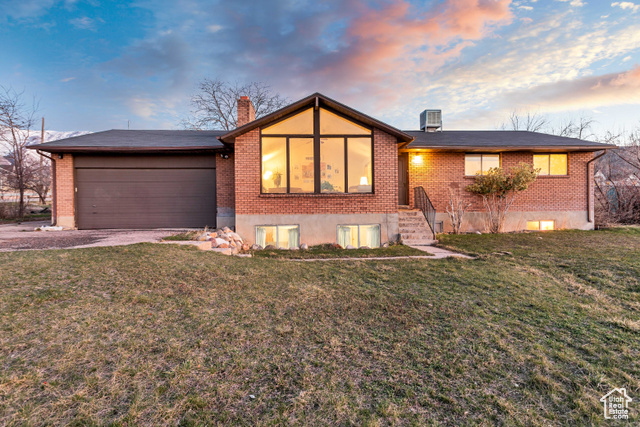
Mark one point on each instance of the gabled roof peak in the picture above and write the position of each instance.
(316, 99)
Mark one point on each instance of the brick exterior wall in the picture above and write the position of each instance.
(225, 182)
(65, 193)
(441, 171)
(249, 201)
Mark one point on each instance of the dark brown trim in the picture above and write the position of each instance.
(317, 178)
(346, 165)
(484, 149)
(130, 149)
(287, 162)
(322, 101)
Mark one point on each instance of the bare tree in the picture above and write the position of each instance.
(456, 208)
(529, 121)
(16, 122)
(215, 106)
(618, 180)
(580, 128)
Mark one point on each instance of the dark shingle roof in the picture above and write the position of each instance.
(499, 140)
(137, 140)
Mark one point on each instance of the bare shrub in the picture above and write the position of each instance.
(456, 208)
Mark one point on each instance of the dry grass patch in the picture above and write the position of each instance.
(155, 334)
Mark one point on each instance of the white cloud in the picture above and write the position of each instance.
(627, 58)
(478, 91)
(574, 3)
(68, 79)
(214, 28)
(525, 7)
(624, 5)
(84, 23)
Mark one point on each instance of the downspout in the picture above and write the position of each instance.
(589, 218)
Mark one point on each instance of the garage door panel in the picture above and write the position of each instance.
(146, 198)
(141, 175)
(113, 206)
(146, 189)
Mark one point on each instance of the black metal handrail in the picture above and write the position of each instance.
(423, 203)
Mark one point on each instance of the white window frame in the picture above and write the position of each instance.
(277, 226)
(359, 225)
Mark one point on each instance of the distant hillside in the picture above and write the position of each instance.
(49, 135)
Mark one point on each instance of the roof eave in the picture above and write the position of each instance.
(480, 148)
(68, 149)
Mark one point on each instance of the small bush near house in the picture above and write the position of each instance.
(499, 189)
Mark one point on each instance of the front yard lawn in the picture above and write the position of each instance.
(326, 251)
(159, 334)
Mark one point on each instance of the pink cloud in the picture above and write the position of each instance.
(587, 92)
(386, 46)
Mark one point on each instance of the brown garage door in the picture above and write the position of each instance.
(145, 191)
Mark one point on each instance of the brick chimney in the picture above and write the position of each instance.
(246, 111)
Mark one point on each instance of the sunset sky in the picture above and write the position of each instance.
(96, 64)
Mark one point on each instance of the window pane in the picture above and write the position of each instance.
(360, 168)
(332, 165)
(472, 164)
(301, 165)
(546, 225)
(348, 235)
(370, 236)
(299, 124)
(274, 165)
(541, 161)
(288, 236)
(490, 161)
(558, 164)
(332, 124)
(533, 225)
(266, 235)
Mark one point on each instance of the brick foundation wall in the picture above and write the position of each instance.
(65, 192)
(248, 199)
(441, 171)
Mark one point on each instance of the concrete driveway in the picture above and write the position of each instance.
(15, 237)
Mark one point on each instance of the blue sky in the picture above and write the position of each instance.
(95, 65)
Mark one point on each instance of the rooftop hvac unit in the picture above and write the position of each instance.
(430, 120)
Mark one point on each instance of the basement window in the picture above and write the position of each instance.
(359, 235)
(280, 236)
(541, 225)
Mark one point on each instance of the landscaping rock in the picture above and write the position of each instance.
(218, 241)
(385, 245)
(245, 246)
(335, 246)
(304, 247)
(270, 247)
(350, 247)
(224, 245)
(227, 229)
(365, 247)
(256, 247)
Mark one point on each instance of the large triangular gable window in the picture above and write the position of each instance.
(317, 151)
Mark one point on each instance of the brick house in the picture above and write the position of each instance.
(316, 171)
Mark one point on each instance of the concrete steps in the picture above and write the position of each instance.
(413, 228)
